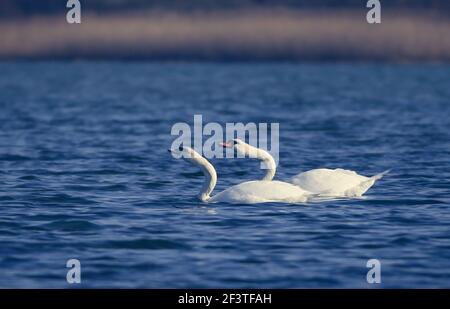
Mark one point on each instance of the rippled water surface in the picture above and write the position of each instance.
(84, 173)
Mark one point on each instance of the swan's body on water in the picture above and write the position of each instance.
(250, 192)
(262, 191)
(323, 182)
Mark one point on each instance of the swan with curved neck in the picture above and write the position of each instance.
(245, 149)
(322, 181)
(249, 192)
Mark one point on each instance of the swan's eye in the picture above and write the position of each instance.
(235, 142)
(180, 148)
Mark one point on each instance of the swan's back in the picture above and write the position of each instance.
(251, 192)
(322, 180)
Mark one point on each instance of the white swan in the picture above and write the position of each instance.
(249, 192)
(322, 181)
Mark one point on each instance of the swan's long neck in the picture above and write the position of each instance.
(210, 180)
(269, 164)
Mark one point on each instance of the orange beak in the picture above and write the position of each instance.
(226, 145)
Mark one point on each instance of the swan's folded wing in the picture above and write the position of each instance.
(338, 182)
(327, 180)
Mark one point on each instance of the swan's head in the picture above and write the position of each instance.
(242, 148)
(188, 154)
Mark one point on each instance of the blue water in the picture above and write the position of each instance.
(84, 174)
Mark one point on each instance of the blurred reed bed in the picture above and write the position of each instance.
(276, 34)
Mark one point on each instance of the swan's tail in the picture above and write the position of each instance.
(380, 175)
(365, 185)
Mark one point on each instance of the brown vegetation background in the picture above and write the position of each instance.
(237, 34)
